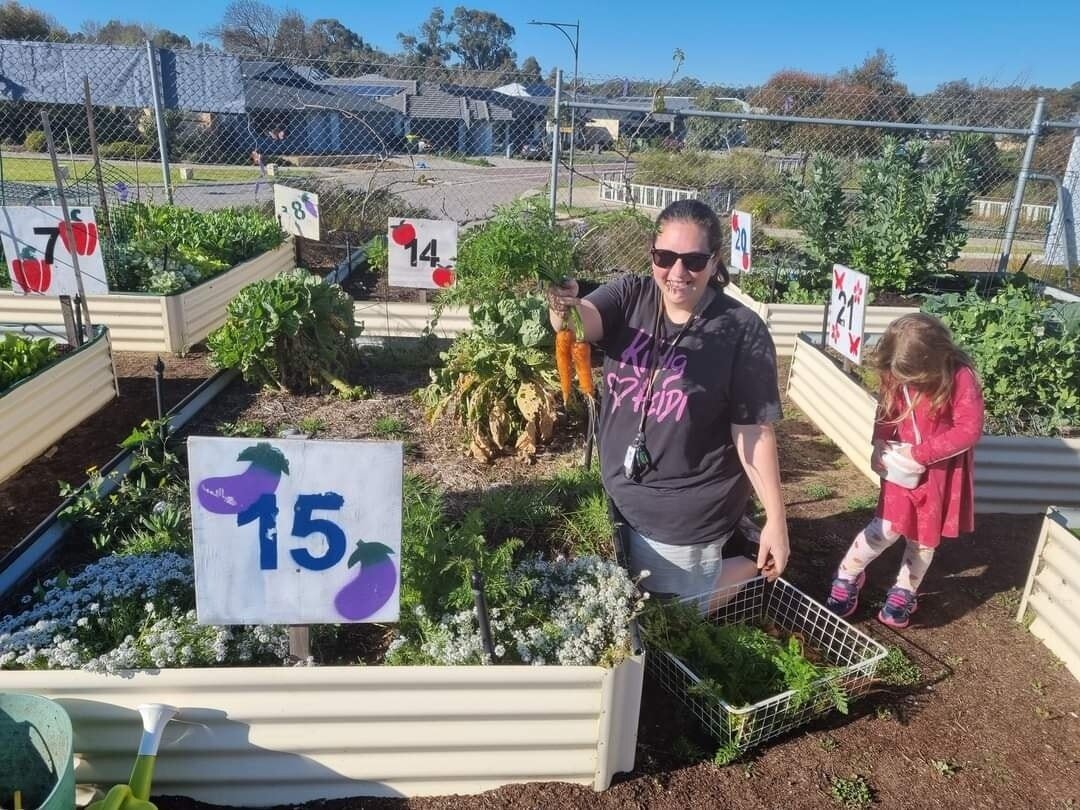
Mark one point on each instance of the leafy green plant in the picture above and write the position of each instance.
(589, 528)
(250, 428)
(906, 223)
(851, 793)
(291, 332)
(896, 669)
(819, 492)
(22, 356)
(514, 251)
(389, 427)
(311, 425)
(498, 379)
(148, 509)
(858, 503)
(1026, 351)
(944, 767)
(378, 253)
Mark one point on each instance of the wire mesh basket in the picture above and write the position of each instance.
(852, 655)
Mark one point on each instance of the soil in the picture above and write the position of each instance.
(31, 494)
(994, 721)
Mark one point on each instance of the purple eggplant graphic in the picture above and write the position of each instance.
(373, 586)
(309, 205)
(233, 494)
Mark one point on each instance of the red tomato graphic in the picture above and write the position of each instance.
(79, 237)
(403, 234)
(442, 276)
(33, 275)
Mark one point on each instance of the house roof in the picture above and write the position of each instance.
(52, 72)
(516, 107)
(432, 101)
(276, 86)
(533, 90)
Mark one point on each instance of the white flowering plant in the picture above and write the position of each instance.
(571, 612)
(125, 612)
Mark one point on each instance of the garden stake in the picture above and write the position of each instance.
(482, 614)
(159, 370)
(135, 795)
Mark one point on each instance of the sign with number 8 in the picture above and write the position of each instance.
(297, 211)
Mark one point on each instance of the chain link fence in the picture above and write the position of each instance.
(209, 131)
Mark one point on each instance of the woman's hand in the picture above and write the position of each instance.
(561, 298)
(774, 550)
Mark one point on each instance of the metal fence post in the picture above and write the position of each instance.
(1021, 183)
(555, 144)
(159, 119)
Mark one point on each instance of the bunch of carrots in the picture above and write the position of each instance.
(573, 355)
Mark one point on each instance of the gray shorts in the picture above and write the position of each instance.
(675, 570)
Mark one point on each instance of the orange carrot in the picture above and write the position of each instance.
(564, 341)
(582, 354)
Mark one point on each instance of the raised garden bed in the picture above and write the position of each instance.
(787, 321)
(38, 410)
(140, 322)
(1051, 601)
(272, 736)
(1017, 474)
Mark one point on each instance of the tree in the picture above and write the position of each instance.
(115, 32)
(290, 39)
(23, 22)
(248, 27)
(481, 39)
(530, 67)
(430, 47)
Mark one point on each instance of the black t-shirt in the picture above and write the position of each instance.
(717, 371)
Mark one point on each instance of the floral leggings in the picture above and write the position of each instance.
(874, 539)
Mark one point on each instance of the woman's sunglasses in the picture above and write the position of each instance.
(694, 262)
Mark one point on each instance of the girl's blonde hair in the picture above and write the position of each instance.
(916, 350)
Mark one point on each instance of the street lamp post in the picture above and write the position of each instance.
(573, 110)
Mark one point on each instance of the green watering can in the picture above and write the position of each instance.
(135, 795)
(36, 753)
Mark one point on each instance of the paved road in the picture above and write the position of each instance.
(447, 188)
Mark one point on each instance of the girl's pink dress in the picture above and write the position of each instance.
(943, 504)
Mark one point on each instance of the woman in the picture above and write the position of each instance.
(690, 397)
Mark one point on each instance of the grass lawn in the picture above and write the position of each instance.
(39, 170)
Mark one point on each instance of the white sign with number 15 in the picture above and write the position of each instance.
(847, 312)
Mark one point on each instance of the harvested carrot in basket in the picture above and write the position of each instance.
(564, 362)
(582, 354)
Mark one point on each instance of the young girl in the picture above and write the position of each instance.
(931, 403)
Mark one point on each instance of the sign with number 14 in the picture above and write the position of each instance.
(295, 531)
(847, 312)
(423, 252)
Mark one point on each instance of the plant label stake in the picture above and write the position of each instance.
(159, 371)
(846, 313)
(74, 334)
(482, 620)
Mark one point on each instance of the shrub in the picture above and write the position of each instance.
(22, 356)
(291, 332)
(35, 141)
(1027, 353)
(125, 150)
(765, 208)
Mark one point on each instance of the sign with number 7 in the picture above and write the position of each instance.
(39, 246)
(295, 531)
(847, 312)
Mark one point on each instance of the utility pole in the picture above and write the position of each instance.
(573, 95)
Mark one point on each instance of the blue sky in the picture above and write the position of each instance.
(734, 43)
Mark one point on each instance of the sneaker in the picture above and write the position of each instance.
(900, 603)
(844, 596)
